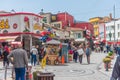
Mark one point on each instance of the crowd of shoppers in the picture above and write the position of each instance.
(79, 51)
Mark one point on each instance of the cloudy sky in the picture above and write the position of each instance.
(81, 9)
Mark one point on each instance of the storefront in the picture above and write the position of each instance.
(20, 27)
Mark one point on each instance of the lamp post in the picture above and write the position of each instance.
(110, 35)
(114, 21)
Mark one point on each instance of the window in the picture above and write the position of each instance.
(79, 35)
(112, 27)
(57, 25)
(118, 25)
(106, 28)
(107, 35)
(118, 34)
(45, 19)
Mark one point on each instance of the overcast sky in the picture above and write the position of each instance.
(81, 9)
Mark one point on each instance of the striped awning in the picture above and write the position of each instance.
(7, 38)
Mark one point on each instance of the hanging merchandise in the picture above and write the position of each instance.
(52, 35)
(43, 33)
(49, 29)
(48, 32)
(48, 39)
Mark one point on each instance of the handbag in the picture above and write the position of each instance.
(80, 51)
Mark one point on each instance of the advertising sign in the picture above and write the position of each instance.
(9, 24)
(20, 22)
(102, 30)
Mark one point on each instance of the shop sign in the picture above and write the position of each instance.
(4, 24)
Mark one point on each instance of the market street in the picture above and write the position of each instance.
(74, 71)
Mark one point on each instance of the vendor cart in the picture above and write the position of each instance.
(53, 48)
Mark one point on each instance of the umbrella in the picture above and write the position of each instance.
(53, 42)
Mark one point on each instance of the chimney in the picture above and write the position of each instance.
(110, 15)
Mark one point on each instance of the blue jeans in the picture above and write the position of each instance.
(34, 59)
(20, 73)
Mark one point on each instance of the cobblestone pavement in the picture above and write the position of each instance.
(73, 71)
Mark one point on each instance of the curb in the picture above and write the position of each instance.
(101, 70)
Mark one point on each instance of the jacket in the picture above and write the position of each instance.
(20, 58)
(116, 70)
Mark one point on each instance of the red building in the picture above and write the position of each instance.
(66, 19)
(85, 26)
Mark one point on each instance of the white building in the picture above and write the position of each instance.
(110, 29)
(14, 24)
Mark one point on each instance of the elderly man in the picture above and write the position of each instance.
(18, 57)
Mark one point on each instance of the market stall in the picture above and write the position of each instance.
(52, 51)
(55, 52)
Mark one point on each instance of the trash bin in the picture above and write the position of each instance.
(45, 76)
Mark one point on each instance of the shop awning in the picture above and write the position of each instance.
(53, 42)
(7, 38)
(16, 42)
(96, 42)
(20, 33)
(80, 39)
(104, 41)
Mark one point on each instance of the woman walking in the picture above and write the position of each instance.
(75, 55)
(80, 53)
(5, 59)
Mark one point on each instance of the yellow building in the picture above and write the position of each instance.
(95, 21)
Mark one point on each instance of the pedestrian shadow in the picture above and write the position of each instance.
(87, 63)
(59, 65)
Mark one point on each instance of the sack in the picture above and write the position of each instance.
(80, 51)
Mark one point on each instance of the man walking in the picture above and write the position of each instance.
(34, 52)
(19, 59)
(88, 52)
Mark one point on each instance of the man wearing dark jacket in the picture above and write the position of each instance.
(116, 70)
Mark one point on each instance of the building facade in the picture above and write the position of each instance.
(95, 21)
(65, 23)
(112, 28)
(66, 18)
(16, 24)
(99, 25)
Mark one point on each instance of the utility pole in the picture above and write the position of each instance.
(114, 21)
